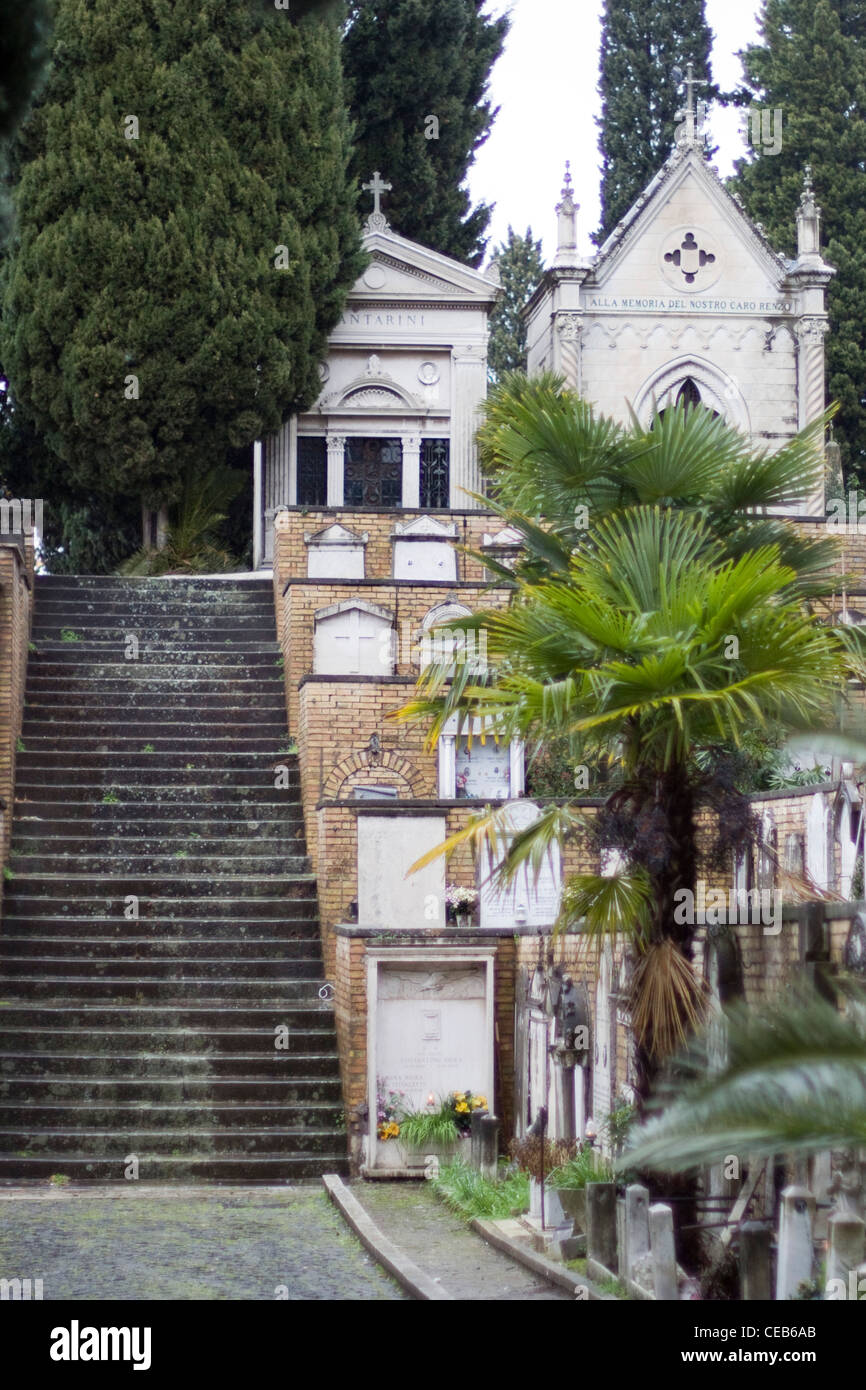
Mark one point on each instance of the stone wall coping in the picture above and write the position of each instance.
(483, 584)
(476, 936)
(471, 937)
(786, 792)
(387, 512)
(422, 806)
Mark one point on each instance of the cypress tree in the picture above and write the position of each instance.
(521, 266)
(185, 237)
(811, 65)
(642, 41)
(418, 73)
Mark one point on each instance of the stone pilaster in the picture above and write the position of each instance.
(411, 470)
(468, 392)
(336, 447)
(811, 331)
(569, 328)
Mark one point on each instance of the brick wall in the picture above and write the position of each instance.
(290, 550)
(16, 606)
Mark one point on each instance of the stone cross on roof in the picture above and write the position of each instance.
(690, 132)
(377, 221)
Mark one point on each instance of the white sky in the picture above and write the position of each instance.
(545, 84)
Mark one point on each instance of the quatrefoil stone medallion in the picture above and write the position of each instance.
(690, 259)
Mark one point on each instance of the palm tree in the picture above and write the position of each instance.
(675, 625)
(794, 1083)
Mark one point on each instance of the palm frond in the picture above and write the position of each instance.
(794, 1083)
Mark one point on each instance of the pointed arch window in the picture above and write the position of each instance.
(688, 394)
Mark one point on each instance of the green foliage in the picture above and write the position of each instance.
(471, 1195)
(642, 41)
(110, 799)
(23, 52)
(68, 634)
(407, 61)
(156, 258)
(575, 1173)
(193, 544)
(59, 1179)
(521, 266)
(420, 1127)
(794, 1083)
(811, 64)
(19, 746)
(654, 620)
(8, 873)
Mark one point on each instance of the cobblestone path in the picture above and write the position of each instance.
(444, 1246)
(187, 1243)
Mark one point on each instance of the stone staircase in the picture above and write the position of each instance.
(152, 779)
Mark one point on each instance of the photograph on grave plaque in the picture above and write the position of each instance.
(483, 769)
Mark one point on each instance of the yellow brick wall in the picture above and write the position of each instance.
(16, 610)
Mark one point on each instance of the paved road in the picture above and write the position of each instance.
(446, 1249)
(185, 1243)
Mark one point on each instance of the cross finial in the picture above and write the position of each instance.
(690, 132)
(377, 187)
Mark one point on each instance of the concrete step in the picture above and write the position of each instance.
(154, 910)
(187, 861)
(240, 1167)
(294, 1068)
(132, 722)
(34, 818)
(26, 849)
(167, 1090)
(298, 921)
(160, 784)
(203, 1022)
(41, 946)
(169, 990)
(140, 1139)
(226, 753)
(112, 963)
(317, 1118)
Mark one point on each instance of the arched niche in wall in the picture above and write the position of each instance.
(689, 377)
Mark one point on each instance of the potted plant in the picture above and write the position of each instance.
(460, 904)
(439, 1129)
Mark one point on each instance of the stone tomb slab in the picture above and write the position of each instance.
(430, 1030)
(531, 900)
(387, 847)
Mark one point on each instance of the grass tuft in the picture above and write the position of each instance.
(469, 1194)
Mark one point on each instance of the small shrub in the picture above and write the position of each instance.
(527, 1154)
(68, 634)
(575, 1173)
(59, 1179)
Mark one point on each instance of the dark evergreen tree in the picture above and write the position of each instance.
(642, 42)
(23, 51)
(811, 64)
(521, 266)
(418, 73)
(186, 234)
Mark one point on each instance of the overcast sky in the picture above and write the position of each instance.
(545, 84)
